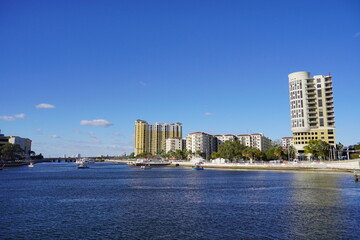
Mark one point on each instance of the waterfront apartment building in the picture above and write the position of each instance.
(286, 142)
(222, 138)
(201, 142)
(173, 144)
(311, 109)
(255, 140)
(151, 138)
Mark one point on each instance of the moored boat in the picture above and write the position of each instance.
(146, 166)
(82, 165)
(197, 166)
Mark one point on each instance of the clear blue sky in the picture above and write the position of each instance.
(216, 66)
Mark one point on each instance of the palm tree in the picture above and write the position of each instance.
(278, 152)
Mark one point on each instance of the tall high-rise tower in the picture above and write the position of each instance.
(151, 138)
(311, 109)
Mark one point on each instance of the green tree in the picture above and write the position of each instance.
(317, 148)
(278, 152)
(11, 151)
(198, 153)
(291, 151)
(187, 153)
(144, 155)
(231, 149)
(132, 155)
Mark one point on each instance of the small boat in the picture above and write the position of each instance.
(197, 167)
(31, 165)
(144, 167)
(82, 165)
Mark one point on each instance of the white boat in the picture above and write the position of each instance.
(31, 165)
(146, 166)
(84, 160)
(82, 165)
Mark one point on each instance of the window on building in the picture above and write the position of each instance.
(320, 103)
(319, 93)
(318, 80)
(318, 86)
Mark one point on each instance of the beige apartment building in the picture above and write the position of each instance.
(201, 142)
(255, 140)
(222, 138)
(311, 109)
(151, 138)
(286, 142)
(173, 144)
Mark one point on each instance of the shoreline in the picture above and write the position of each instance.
(346, 166)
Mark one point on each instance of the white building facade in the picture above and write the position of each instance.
(286, 142)
(256, 140)
(201, 142)
(222, 138)
(173, 144)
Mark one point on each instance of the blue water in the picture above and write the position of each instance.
(115, 201)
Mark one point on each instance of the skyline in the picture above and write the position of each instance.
(76, 75)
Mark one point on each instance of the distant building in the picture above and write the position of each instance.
(311, 109)
(151, 138)
(24, 143)
(222, 138)
(286, 142)
(201, 142)
(256, 140)
(173, 144)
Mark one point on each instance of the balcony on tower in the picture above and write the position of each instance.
(312, 121)
(328, 79)
(312, 97)
(329, 100)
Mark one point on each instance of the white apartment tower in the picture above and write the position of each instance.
(201, 142)
(311, 109)
(256, 140)
(173, 144)
(286, 142)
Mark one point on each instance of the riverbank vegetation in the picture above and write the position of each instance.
(12, 152)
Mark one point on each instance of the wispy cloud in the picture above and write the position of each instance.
(54, 136)
(45, 105)
(142, 83)
(14, 117)
(20, 116)
(91, 135)
(208, 114)
(96, 123)
(357, 34)
(116, 134)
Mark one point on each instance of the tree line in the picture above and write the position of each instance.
(233, 150)
(12, 152)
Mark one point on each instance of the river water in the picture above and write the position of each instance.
(115, 201)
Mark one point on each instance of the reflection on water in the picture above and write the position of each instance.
(113, 201)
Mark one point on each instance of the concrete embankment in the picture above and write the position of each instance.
(325, 166)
